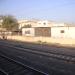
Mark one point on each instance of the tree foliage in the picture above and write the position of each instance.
(27, 26)
(10, 23)
(1, 17)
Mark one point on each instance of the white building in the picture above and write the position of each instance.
(43, 23)
(41, 28)
(28, 31)
(63, 31)
(23, 23)
(49, 29)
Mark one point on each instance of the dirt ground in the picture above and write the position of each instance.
(49, 40)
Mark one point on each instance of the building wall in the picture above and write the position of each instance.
(63, 32)
(28, 31)
(59, 24)
(23, 23)
(71, 32)
(39, 31)
(43, 23)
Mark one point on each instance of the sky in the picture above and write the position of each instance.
(54, 10)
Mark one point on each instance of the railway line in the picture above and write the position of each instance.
(50, 49)
(9, 67)
(48, 53)
(59, 63)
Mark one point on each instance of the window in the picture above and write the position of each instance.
(44, 23)
(27, 32)
(62, 31)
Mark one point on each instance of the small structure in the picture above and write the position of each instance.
(46, 28)
(63, 31)
(42, 28)
(23, 23)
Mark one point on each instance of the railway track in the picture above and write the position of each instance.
(9, 67)
(50, 49)
(57, 61)
(50, 53)
(43, 48)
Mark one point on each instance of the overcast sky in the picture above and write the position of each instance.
(55, 10)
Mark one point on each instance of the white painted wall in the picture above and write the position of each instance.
(21, 25)
(69, 32)
(42, 24)
(58, 24)
(26, 30)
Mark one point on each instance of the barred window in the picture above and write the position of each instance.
(62, 31)
(27, 32)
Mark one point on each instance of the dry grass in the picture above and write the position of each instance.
(45, 40)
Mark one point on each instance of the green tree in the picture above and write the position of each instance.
(10, 23)
(27, 26)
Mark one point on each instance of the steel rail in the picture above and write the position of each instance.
(44, 53)
(20, 64)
